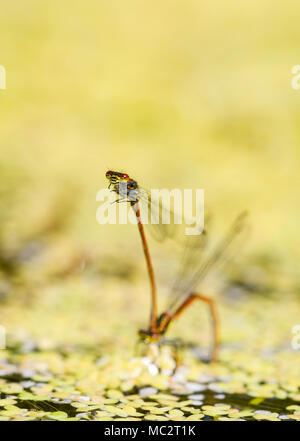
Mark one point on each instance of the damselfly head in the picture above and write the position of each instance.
(114, 176)
(123, 185)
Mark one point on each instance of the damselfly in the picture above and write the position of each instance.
(197, 263)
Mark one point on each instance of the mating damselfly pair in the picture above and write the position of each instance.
(197, 263)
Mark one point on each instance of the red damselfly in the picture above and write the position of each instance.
(197, 265)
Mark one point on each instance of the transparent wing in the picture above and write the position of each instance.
(155, 214)
(199, 260)
(162, 221)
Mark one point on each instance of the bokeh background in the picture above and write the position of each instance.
(179, 94)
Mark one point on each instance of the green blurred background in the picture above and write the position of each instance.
(185, 94)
